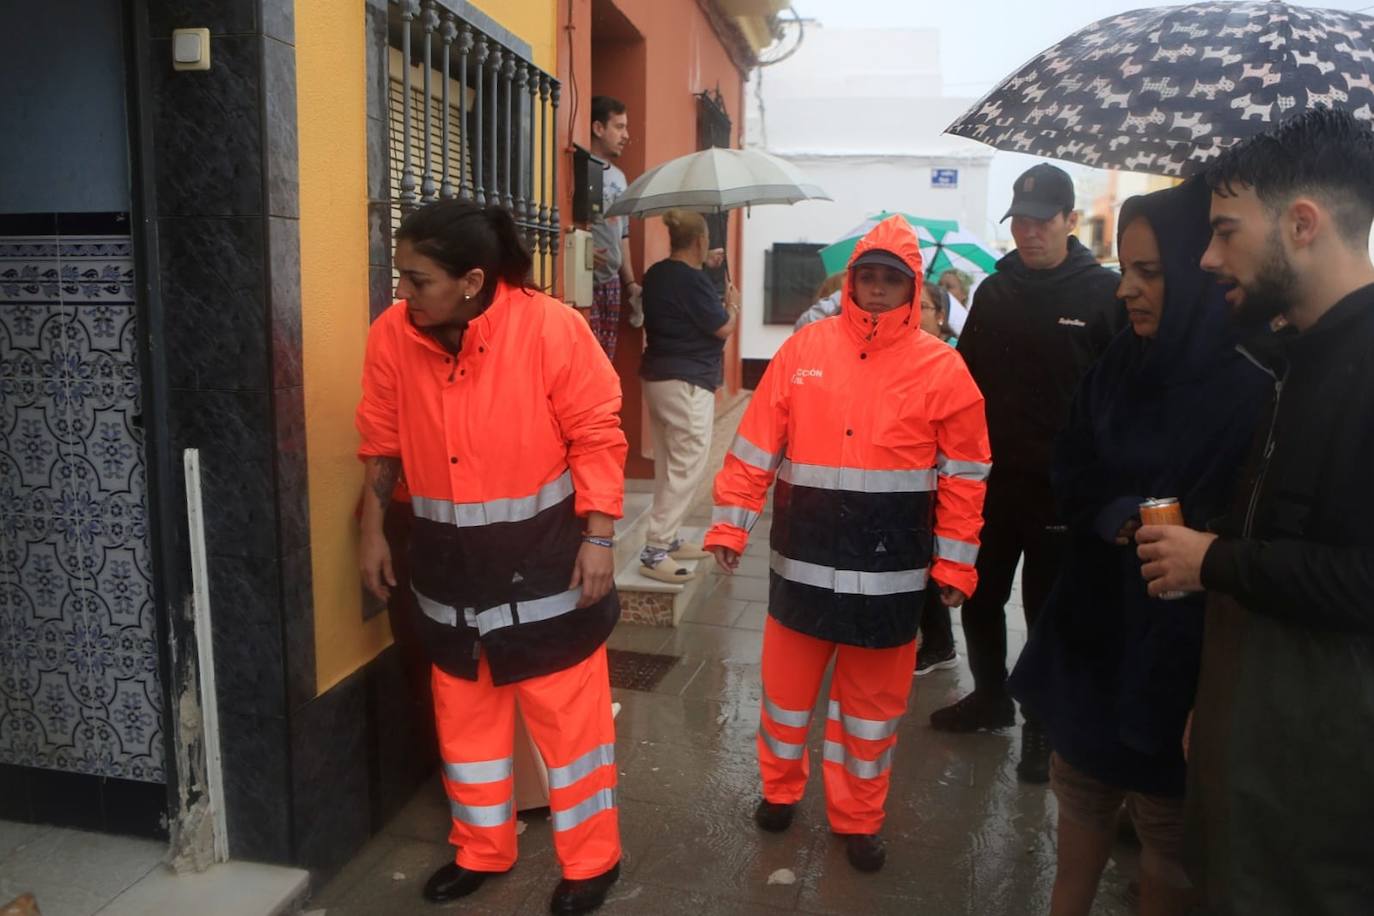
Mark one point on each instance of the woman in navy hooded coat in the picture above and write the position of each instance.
(1169, 410)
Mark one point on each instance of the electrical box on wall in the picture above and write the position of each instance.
(587, 175)
(190, 49)
(577, 268)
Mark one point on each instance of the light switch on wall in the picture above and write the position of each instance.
(190, 49)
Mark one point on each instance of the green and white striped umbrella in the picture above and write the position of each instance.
(943, 245)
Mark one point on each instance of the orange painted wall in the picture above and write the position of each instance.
(657, 74)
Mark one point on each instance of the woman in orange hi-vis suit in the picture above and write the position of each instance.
(502, 411)
(876, 434)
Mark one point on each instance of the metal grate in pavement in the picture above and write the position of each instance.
(638, 670)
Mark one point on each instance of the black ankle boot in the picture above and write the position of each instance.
(866, 851)
(773, 817)
(583, 895)
(453, 881)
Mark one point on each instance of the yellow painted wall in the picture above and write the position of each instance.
(533, 21)
(332, 116)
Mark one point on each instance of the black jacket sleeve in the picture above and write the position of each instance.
(1300, 582)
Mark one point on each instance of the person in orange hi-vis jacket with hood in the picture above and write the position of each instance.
(876, 434)
(503, 412)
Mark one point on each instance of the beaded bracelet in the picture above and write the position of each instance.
(599, 541)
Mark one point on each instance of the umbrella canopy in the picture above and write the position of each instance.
(943, 245)
(714, 180)
(1165, 90)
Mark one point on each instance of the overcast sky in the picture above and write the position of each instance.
(982, 41)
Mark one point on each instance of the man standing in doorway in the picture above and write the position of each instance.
(1033, 329)
(614, 277)
(1279, 758)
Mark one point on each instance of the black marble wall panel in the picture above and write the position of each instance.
(279, 125)
(293, 497)
(284, 290)
(257, 786)
(214, 284)
(298, 620)
(404, 748)
(219, 16)
(208, 126)
(379, 291)
(379, 235)
(36, 796)
(330, 780)
(236, 438)
(250, 673)
(279, 20)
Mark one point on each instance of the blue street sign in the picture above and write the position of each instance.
(944, 178)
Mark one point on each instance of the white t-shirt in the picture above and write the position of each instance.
(607, 233)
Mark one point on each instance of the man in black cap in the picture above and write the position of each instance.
(1034, 328)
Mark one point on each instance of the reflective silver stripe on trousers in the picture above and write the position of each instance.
(958, 551)
(858, 480)
(848, 581)
(864, 769)
(582, 767)
(868, 729)
(967, 470)
(494, 618)
(473, 515)
(569, 818)
(479, 771)
(784, 749)
(752, 455)
(482, 815)
(795, 718)
(738, 516)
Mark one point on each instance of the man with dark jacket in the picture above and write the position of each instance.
(1282, 739)
(1034, 328)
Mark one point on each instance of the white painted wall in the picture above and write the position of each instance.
(861, 113)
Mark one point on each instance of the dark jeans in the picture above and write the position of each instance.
(1016, 515)
(937, 633)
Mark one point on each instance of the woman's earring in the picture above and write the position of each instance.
(467, 298)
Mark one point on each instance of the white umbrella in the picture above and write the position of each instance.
(714, 180)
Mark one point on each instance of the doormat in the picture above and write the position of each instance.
(638, 670)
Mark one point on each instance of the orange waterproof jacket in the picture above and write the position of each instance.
(876, 434)
(504, 447)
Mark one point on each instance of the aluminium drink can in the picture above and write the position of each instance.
(1163, 511)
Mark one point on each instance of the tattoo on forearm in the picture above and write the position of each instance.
(384, 484)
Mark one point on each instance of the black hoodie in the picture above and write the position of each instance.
(1029, 337)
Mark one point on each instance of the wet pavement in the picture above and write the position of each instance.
(964, 837)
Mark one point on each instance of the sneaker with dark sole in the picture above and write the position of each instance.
(929, 662)
(975, 712)
(865, 851)
(453, 881)
(1034, 765)
(583, 895)
(773, 817)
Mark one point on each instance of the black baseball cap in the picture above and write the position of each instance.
(886, 259)
(1042, 191)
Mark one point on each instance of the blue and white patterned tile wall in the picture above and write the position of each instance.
(79, 683)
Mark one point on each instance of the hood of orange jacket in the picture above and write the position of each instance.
(896, 236)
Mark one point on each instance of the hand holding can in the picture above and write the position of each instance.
(1163, 511)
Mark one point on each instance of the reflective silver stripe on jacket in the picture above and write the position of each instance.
(752, 455)
(966, 470)
(569, 818)
(582, 767)
(794, 718)
(849, 581)
(864, 769)
(482, 815)
(858, 480)
(494, 618)
(474, 515)
(868, 729)
(958, 551)
(478, 772)
(738, 516)
(783, 749)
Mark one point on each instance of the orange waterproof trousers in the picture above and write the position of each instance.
(568, 715)
(868, 696)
